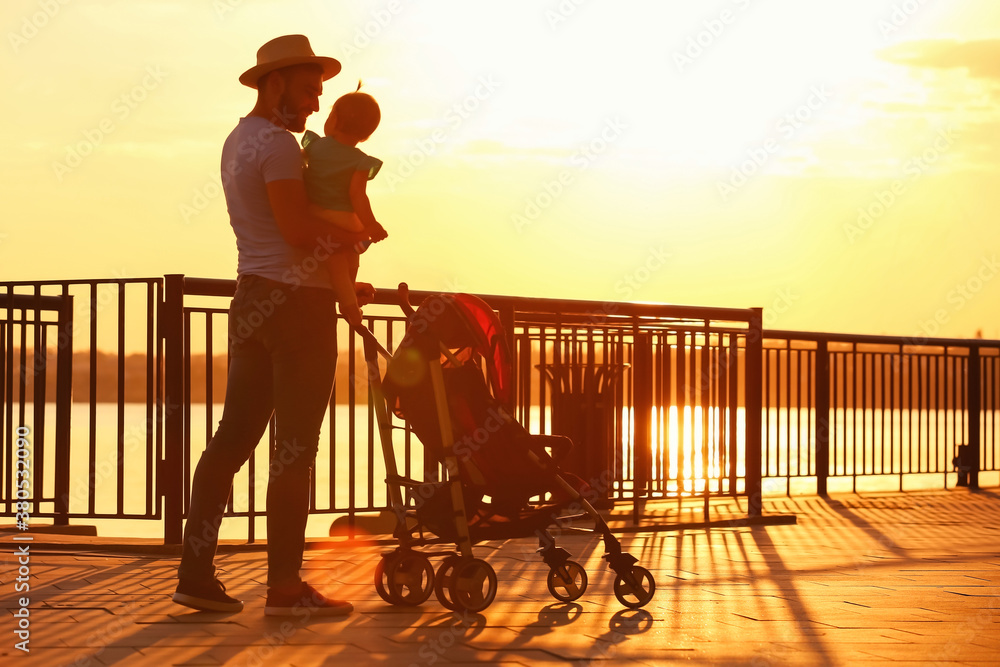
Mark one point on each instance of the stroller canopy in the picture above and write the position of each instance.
(467, 326)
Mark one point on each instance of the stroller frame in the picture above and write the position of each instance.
(462, 582)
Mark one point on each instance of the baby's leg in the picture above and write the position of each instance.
(346, 220)
(343, 269)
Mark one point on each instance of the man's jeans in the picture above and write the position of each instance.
(283, 347)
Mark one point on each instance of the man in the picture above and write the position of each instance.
(282, 329)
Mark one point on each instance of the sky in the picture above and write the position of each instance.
(835, 163)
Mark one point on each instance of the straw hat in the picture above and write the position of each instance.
(286, 51)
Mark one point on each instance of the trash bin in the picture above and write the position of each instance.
(583, 409)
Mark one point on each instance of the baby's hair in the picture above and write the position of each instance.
(358, 114)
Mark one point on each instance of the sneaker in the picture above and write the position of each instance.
(304, 601)
(206, 596)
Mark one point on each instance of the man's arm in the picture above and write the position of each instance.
(296, 224)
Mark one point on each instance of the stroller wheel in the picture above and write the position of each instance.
(636, 588)
(443, 581)
(567, 582)
(409, 579)
(385, 564)
(473, 585)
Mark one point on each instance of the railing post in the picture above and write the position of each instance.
(642, 409)
(974, 392)
(822, 433)
(507, 321)
(64, 408)
(755, 404)
(171, 477)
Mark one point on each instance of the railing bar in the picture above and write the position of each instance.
(880, 384)
(120, 436)
(149, 445)
(854, 418)
(621, 387)
(766, 416)
(913, 464)
(666, 361)
(939, 377)
(209, 377)
(161, 409)
(789, 357)
(371, 443)
(865, 379)
(39, 371)
(705, 389)
(680, 400)
(721, 397)
(186, 467)
(832, 448)
(955, 369)
(921, 442)
(351, 435)
(23, 364)
(895, 362)
(794, 443)
(92, 436)
(6, 427)
(811, 400)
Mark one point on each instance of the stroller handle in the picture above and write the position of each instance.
(403, 299)
(403, 292)
(369, 339)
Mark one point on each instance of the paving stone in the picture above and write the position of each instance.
(859, 580)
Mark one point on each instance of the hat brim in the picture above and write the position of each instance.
(331, 67)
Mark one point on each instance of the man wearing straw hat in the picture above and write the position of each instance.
(282, 330)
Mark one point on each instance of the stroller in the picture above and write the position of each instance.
(450, 380)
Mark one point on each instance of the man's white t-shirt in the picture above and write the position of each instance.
(256, 153)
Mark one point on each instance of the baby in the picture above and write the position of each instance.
(336, 175)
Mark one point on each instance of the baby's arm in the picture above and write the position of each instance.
(363, 207)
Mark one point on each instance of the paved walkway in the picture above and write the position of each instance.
(907, 579)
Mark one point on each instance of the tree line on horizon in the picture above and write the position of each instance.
(103, 374)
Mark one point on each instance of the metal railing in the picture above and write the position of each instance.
(879, 408)
(683, 354)
(661, 401)
(33, 321)
(105, 405)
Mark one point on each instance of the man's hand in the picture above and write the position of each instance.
(365, 292)
(377, 232)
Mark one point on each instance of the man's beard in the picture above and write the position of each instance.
(289, 118)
